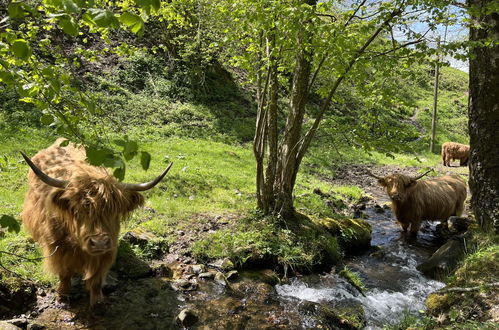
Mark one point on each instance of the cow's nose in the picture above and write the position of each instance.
(395, 196)
(100, 242)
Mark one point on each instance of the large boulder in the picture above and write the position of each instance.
(445, 259)
(354, 235)
(16, 296)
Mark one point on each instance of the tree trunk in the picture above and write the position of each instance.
(484, 117)
(288, 162)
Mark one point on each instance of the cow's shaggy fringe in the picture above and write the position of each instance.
(92, 203)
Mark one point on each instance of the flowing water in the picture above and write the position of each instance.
(394, 285)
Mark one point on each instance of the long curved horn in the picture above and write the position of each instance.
(147, 185)
(422, 175)
(44, 177)
(374, 176)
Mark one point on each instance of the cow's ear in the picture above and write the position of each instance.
(60, 201)
(135, 200)
(410, 183)
(382, 182)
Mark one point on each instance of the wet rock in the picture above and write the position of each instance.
(379, 209)
(35, 326)
(187, 318)
(139, 236)
(128, 265)
(378, 252)
(162, 269)
(358, 214)
(4, 325)
(327, 317)
(207, 275)
(184, 285)
(220, 278)
(232, 275)
(223, 264)
(458, 224)
(16, 296)
(111, 283)
(265, 275)
(445, 259)
(198, 269)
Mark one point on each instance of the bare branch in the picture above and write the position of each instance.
(470, 289)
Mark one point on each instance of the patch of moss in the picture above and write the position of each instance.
(353, 234)
(353, 278)
(299, 244)
(436, 303)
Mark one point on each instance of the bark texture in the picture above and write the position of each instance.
(484, 116)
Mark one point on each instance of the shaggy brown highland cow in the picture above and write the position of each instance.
(73, 210)
(454, 150)
(414, 201)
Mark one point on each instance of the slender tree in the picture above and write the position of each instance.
(484, 112)
(287, 47)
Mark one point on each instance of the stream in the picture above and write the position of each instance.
(255, 300)
(393, 287)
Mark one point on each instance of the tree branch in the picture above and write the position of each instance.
(310, 134)
(470, 289)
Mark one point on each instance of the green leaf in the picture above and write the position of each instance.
(69, 26)
(47, 119)
(103, 17)
(156, 4)
(15, 10)
(130, 150)
(114, 162)
(120, 143)
(6, 221)
(21, 49)
(145, 160)
(7, 78)
(134, 22)
(70, 6)
(119, 173)
(64, 143)
(97, 156)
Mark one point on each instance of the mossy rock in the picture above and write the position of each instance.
(329, 317)
(16, 296)
(354, 235)
(437, 303)
(128, 265)
(445, 259)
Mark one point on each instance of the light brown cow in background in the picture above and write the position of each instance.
(73, 210)
(454, 150)
(414, 201)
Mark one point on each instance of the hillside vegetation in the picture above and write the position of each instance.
(207, 130)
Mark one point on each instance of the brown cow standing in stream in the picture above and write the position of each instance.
(454, 150)
(414, 201)
(73, 210)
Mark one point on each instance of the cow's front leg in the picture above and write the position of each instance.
(415, 226)
(64, 284)
(403, 225)
(94, 286)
